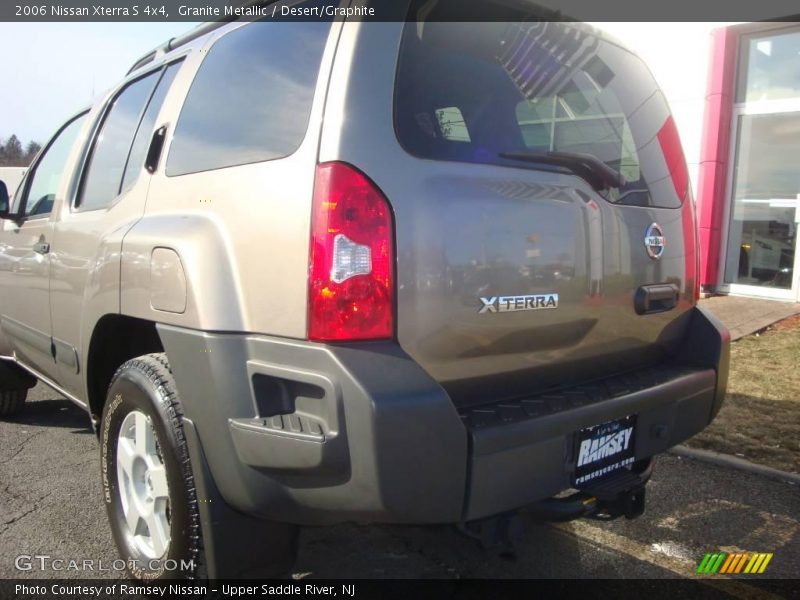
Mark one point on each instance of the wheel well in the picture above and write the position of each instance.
(115, 339)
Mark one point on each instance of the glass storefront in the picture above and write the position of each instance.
(765, 188)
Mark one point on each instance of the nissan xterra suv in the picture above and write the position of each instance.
(309, 271)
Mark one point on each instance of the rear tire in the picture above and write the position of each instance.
(12, 402)
(147, 478)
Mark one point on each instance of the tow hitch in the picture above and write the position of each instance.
(502, 532)
(621, 495)
(629, 504)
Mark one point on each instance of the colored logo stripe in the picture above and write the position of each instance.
(741, 562)
(711, 562)
(764, 564)
(704, 564)
(749, 567)
(723, 563)
(734, 563)
(732, 558)
(758, 563)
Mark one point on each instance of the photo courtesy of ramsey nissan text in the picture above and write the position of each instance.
(436, 298)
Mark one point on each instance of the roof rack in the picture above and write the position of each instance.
(147, 58)
(189, 36)
(176, 42)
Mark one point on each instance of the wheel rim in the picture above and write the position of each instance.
(143, 489)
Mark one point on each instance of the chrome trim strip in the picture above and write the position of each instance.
(38, 340)
(67, 355)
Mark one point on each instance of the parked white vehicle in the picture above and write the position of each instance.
(12, 176)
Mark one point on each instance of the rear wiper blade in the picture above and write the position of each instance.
(586, 166)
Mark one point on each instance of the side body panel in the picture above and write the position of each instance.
(25, 304)
(26, 274)
(87, 248)
(241, 234)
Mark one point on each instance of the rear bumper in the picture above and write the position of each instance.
(524, 451)
(370, 436)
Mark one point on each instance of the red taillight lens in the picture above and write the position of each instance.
(670, 143)
(351, 288)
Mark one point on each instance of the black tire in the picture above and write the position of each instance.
(146, 384)
(12, 401)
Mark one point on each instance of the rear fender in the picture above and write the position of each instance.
(178, 269)
(708, 344)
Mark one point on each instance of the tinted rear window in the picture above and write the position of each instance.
(471, 91)
(251, 98)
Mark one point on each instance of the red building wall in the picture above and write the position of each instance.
(715, 155)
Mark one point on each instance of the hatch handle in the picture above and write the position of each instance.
(656, 298)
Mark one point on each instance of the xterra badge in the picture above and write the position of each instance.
(515, 303)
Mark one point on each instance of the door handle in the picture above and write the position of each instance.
(41, 248)
(154, 152)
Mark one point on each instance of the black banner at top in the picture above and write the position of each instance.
(395, 10)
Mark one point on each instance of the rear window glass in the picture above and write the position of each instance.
(251, 98)
(470, 92)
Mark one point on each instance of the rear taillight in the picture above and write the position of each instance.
(670, 143)
(351, 288)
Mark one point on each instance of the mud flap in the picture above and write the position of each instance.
(236, 545)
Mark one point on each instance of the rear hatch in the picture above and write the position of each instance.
(550, 187)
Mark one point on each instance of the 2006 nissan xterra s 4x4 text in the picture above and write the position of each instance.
(413, 271)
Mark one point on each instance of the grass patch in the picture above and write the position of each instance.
(760, 420)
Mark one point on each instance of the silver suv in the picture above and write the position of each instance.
(307, 272)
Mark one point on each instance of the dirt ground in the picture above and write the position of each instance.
(760, 420)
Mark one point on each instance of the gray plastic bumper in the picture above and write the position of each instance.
(313, 434)
(371, 436)
(524, 451)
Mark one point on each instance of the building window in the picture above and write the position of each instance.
(768, 68)
(762, 244)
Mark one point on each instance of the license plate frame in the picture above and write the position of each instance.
(601, 450)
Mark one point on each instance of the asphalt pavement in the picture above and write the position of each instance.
(50, 505)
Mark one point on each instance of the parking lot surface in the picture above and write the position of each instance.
(50, 504)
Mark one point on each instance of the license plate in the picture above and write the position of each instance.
(602, 449)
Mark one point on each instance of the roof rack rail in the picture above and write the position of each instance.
(147, 58)
(189, 36)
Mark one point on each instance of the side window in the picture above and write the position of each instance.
(47, 172)
(103, 175)
(251, 98)
(141, 143)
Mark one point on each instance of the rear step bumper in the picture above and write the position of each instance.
(315, 434)
(525, 451)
